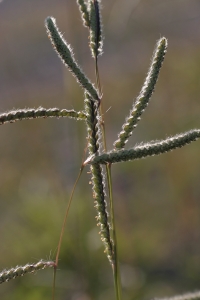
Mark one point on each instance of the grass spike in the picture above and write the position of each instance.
(18, 271)
(98, 178)
(148, 149)
(40, 112)
(65, 52)
(96, 40)
(144, 96)
(84, 12)
(186, 296)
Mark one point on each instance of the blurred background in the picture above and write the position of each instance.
(157, 200)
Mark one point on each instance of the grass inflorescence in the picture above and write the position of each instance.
(7, 275)
(92, 115)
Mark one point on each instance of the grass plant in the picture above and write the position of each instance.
(97, 154)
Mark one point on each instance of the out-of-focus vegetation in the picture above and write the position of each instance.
(157, 200)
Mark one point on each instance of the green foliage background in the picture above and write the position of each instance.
(157, 200)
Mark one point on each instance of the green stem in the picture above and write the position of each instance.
(115, 265)
(116, 269)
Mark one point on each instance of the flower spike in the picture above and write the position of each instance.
(18, 271)
(144, 150)
(96, 40)
(144, 96)
(31, 113)
(98, 178)
(66, 54)
(84, 12)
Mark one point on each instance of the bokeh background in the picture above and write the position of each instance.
(157, 200)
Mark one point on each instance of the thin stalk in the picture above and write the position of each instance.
(116, 269)
(66, 214)
(115, 266)
(63, 228)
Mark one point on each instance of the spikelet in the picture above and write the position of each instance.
(32, 113)
(144, 150)
(96, 39)
(144, 96)
(64, 51)
(84, 12)
(18, 271)
(98, 180)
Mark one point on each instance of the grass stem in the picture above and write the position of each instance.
(115, 266)
(116, 269)
(63, 228)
